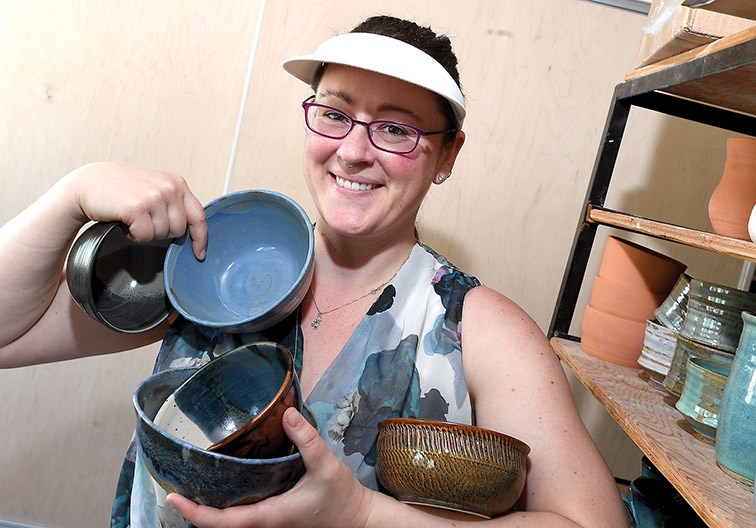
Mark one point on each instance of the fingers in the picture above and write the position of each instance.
(207, 517)
(305, 437)
(195, 219)
(200, 516)
(152, 204)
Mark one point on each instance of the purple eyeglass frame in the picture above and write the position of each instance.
(308, 103)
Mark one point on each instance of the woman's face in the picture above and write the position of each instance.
(380, 194)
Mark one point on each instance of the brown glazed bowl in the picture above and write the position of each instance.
(451, 466)
(234, 404)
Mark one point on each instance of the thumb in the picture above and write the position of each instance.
(304, 436)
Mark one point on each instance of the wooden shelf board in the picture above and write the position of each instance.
(706, 74)
(649, 417)
(733, 247)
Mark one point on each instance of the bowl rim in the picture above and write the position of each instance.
(452, 427)
(191, 447)
(287, 383)
(305, 274)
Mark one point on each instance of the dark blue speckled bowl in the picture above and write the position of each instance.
(206, 477)
(258, 266)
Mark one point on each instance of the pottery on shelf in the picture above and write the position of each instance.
(659, 344)
(736, 432)
(618, 298)
(733, 199)
(752, 224)
(713, 316)
(686, 349)
(701, 396)
(671, 312)
(639, 266)
(611, 338)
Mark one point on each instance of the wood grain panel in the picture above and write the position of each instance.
(662, 432)
(153, 83)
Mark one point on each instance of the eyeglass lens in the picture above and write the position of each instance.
(385, 135)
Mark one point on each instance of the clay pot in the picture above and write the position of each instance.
(732, 202)
(639, 267)
(623, 300)
(611, 338)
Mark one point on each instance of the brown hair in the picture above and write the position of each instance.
(425, 39)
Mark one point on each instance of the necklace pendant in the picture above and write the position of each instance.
(316, 322)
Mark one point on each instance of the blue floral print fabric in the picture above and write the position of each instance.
(403, 360)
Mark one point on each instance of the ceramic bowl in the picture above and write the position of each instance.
(452, 466)
(623, 300)
(116, 280)
(686, 349)
(702, 395)
(234, 404)
(612, 338)
(258, 266)
(714, 314)
(671, 312)
(639, 266)
(210, 478)
(659, 343)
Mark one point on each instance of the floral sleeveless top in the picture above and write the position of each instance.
(403, 360)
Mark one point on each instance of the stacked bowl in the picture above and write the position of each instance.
(711, 328)
(705, 352)
(633, 281)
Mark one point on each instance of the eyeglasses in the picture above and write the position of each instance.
(389, 136)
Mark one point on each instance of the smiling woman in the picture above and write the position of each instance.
(134, 84)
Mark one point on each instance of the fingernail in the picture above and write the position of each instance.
(294, 419)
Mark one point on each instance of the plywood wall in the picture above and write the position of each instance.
(160, 84)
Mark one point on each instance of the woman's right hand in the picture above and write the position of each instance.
(36, 306)
(151, 204)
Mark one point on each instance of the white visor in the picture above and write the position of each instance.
(384, 55)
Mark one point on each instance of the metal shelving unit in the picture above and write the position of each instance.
(714, 85)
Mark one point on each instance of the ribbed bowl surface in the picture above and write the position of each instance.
(453, 466)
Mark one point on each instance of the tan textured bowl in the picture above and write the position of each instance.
(453, 466)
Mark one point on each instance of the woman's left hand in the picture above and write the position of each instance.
(327, 495)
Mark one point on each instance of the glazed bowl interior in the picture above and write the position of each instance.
(207, 477)
(451, 466)
(117, 281)
(235, 403)
(258, 265)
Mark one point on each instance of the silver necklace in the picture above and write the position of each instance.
(319, 318)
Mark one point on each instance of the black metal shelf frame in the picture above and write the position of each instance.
(645, 92)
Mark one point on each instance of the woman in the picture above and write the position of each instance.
(388, 328)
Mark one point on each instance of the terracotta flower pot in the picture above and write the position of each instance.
(617, 298)
(639, 267)
(612, 338)
(732, 201)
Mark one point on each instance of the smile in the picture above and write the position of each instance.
(353, 186)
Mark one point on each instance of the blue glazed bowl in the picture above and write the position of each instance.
(702, 395)
(235, 404)
(258, 266)
(206, 477)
